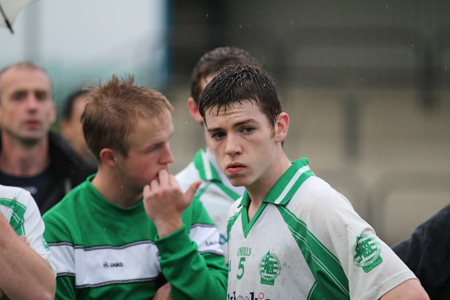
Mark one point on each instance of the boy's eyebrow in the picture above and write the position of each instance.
(238, 124)
(157, 143)
(212, 130)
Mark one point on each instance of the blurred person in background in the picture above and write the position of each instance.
(216, 192)
(31, 156)
(427, 254)
(291, 235)
(26, 269)
(71, 127)
(137, 235)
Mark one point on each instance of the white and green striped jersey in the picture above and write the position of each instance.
(216, 196)
(105, 251)
(21, 211)
(307, 242)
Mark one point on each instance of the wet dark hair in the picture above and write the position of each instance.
(215, 60)
(239, 83)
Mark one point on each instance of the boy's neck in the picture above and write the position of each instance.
(260, 188)
(113, 190)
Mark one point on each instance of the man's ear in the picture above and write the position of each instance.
(53, 113)
(193, 110)
(108, 157)
(281, 127)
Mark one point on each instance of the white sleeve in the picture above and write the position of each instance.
(370, 265)
(34, 230)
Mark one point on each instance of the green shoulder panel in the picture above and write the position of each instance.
(18, 212)
(324, 265)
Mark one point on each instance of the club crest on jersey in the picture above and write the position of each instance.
(269, 268)
(366, 252)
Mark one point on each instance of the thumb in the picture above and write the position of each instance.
(192, 190)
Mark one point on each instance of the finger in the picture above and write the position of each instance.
(146, 190)
(166, 286)
(192, 190)
(163, 178)
(173, 181)
(154, 185)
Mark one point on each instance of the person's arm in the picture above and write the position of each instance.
(194, 271)
(408, 290)
(25, 274)
(163, 293)
(426, 252)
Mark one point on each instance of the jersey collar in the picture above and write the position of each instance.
(286, 186)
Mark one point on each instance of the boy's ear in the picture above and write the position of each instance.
(108, 157)
(193, 110)
(281, 127)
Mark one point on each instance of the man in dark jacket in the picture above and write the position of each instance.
(426, 253)
(30, 156)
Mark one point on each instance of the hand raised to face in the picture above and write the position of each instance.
(164, 202)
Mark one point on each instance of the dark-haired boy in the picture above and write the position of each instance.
(216, 192)
(291, 235)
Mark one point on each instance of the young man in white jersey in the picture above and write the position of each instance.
(291, 236)
(216, 192)
(26, 270)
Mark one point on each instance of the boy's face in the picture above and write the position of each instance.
(243, 141)
(148, 153)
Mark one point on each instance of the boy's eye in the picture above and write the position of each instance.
(217, 135)
(153, 148)
(248, 129)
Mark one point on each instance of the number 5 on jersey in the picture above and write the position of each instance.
(241, 266)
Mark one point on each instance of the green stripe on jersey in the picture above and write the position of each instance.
(280, 193)
(325, 267)
(18, 211)
(207, 172)
(286, 186)
(231, 222)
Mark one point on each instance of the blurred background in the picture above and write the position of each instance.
(366, 83)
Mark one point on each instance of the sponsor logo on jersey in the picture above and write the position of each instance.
(269, 268)
(366, 252)
(107, 265)
(251, 296)
(211, 242)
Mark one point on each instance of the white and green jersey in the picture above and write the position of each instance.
(103, 251)
(307, 242)
(216, 196)
(22, 213)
